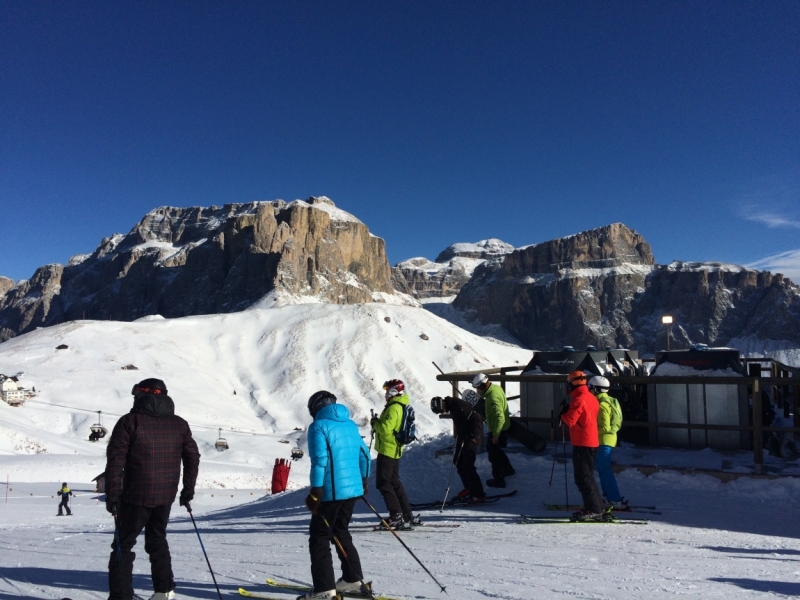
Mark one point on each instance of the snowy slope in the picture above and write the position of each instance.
(249, 373)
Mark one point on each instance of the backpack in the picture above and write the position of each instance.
(408, 428)
(616, 414)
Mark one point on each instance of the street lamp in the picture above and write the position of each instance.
(667, 321)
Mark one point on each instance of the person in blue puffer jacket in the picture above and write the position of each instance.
(340, 465)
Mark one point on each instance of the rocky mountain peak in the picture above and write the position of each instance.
(201, 260)
(484, 249)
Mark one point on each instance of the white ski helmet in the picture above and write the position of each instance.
(599, 383)
(479, 380)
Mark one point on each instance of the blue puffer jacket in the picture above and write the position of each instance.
(339, 457)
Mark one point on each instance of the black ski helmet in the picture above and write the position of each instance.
(437, 405)
(318, 400)
(149, 386)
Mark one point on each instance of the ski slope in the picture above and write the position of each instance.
(249, 373)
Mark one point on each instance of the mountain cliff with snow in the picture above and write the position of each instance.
(602, 287)
(191, 261)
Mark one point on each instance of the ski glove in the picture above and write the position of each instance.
(313, 499)
(112, 506)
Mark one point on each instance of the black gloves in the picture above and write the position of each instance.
(564, 408)
(112, 506)
(313, 499)
(185, 498)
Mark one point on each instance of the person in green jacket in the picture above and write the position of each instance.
(609, 421)
(387, 471)
(498, 421)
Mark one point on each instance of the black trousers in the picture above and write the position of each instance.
(64, 504)
(131, 519)
(498, 459)
(583, 465)
(320, 538)
(465, 465)
(387, 480)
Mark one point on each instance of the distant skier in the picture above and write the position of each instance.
(340, 464)
(609, 421)
(65, 493)
(581, 418)
(468, 426)
(387, 471)
(498, 421)
(146, 449)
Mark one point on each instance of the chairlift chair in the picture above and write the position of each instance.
(297, 454)
(222, 444)
(97, 431)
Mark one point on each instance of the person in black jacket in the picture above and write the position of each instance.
(468, 425)
(143, 468)
(65, 493)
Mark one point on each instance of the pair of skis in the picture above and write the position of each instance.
(631, 508)
(539, 520)
(463, 501)
(430, 527)
(302, 589)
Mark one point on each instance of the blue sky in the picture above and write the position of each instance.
(433, 122)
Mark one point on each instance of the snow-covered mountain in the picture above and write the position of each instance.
(187, 261)
(445, 276)
(249, 373)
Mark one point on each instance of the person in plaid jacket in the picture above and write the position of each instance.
(143, 466)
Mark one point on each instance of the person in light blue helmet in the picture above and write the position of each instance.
(340, 465)
(609, 421)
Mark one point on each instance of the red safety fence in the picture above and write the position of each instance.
(280, 475)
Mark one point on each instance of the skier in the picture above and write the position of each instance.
(498, 421)
(340, 464)
(146, 449)
(468, 426)
(387, 472)
(65, 493)
(609, 421)
(580, 415)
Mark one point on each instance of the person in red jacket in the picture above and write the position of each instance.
(581, 418)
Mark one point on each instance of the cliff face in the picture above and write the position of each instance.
(177, 262)
(601, 287)
(422, 278)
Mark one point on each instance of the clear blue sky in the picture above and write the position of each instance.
(433, 122)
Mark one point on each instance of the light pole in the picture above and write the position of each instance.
(667, 321)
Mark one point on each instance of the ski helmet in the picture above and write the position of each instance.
(599, 383)
(438, 405)
(149, 386)
(64, 484)
(393, 387)
(577, 378)
(479, 380)
(318, 400)
(471, 397)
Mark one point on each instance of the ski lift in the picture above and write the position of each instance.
(97, 430)
(297, 454)
(221, 444)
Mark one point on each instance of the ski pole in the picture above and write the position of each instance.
(394, 533)
(553, 468)
(119, 556)
(450, 476)
(566, 479)
(341, 549)
(197, 531)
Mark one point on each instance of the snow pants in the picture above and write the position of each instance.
(583, 459)
(466, 468)
(607, 480)
(131, 519)
(387, 480)
(320, 537)
(64, 504)
(501, 466)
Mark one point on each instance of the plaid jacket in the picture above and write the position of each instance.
(146, 450)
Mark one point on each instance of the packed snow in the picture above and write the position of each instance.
(251, 373)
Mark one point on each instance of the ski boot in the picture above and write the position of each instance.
(329, 595)
(465, 493)
(412, 520)
(163, 596)
(496, 482)
(343, 587)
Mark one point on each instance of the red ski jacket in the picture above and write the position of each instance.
(581, 418)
